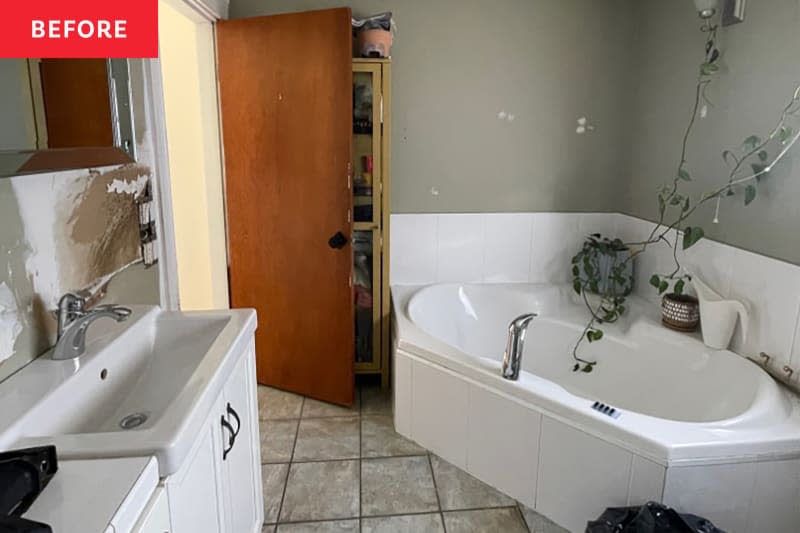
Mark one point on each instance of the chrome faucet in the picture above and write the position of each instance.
(512, 358)
(74, 319)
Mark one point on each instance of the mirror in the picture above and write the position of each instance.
(60, 114)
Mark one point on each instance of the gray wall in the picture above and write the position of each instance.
(457, 63)
(760, 71)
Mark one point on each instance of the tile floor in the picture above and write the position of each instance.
(332, 469)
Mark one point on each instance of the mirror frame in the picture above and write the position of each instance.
(21, 162)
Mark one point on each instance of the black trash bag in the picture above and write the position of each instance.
(649, 518)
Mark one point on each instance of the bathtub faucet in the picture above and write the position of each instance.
(512, 358)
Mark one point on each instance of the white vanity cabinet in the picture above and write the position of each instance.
(218, 487)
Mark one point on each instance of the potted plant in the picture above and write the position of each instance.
(748, 164)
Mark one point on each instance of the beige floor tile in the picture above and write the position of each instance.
(376, 401)
(415, 523)
(379, 439)
(459, 490)
(397, 485)
(335, 526)
(277, 404)
(539, 523)
(273, 478)
(321, 491)
(507, 520)
(327, 438)
(277, 440)
(316, 408)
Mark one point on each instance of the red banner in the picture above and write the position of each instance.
(79, 28)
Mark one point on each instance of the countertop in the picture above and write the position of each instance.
(96, 495)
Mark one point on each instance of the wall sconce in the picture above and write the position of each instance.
(732, 10)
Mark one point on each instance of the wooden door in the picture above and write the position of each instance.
(77, 103)
(286, 100)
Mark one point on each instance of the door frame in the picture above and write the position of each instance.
(204, 11)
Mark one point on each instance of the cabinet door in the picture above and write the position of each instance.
(155, 518)
(195, 491)
(241, 464)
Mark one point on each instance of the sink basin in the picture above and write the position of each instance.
(142, 387)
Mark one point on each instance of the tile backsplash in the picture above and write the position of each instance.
(538, 248)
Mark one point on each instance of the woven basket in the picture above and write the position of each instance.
(680, 312)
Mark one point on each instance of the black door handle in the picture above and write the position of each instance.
(337, 241)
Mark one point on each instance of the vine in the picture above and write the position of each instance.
(613, 282)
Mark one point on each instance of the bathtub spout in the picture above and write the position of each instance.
(512, 358)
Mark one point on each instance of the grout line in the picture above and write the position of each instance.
(522, 517)
(289, 466)
(435, 486)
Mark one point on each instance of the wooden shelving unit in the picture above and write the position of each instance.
(371, 195)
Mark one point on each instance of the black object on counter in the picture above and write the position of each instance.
(23, 476)
(652, 517)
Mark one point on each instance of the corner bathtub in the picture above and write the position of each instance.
(692, 427)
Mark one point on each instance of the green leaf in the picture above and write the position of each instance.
(663, 287)
(759, 171)
(587, 368)
(763, 155)
(576, 271)
(707, 69)
(752, 142)
(728, 154)
(655, 281)
(785, 134)
(678, 289)
(749, 194)
(686, 205)
(594, 335)
(691, 235)
(682, 174)
(576, 285)
(576, 367)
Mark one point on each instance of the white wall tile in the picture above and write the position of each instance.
(720, 493)
(771, 290)
(413, 249)
(439, 413)
(647, 481)
(795, 359)
(579, 475)
(556, 239)
(712, 262)
(507, 249)
(401, 387)
(460, 251)
(503, 444)
(776, 498)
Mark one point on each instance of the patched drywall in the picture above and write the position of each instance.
(62, 231)
(75, 229)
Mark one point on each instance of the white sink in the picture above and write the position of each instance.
(143, 387)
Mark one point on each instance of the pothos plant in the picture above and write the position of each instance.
(602, 273)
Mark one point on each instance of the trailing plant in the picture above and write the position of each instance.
(748, 165)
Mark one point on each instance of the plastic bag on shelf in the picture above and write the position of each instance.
(373, 35)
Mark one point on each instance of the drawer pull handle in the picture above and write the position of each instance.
(232, 411)
(231, 438)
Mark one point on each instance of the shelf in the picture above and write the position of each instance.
(365, 226)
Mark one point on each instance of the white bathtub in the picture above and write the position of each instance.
(693, 427)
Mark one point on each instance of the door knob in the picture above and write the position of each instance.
(337, 241)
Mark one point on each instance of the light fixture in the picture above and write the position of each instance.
(732, 10)
(706, 8)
